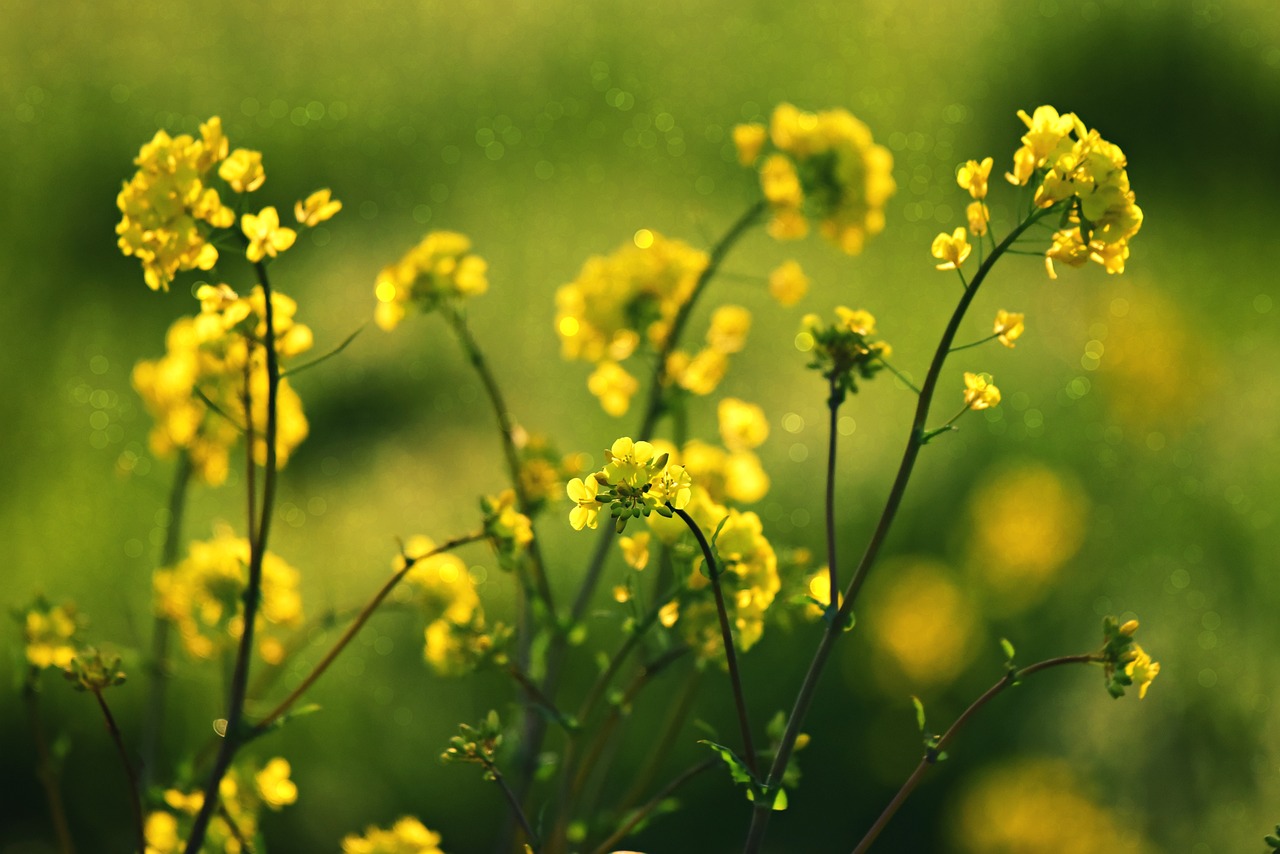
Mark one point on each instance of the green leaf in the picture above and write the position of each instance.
(1009, 651)
(737, 770)
(915, 701)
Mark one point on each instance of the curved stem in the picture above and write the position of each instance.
(352, 630)
(931, 757)
(761, 814)
(726, 635)
(45, 770)
(653, 803)
(234, 735)
(135, 804)
(834, 400)
(514, 802)
(990, 337)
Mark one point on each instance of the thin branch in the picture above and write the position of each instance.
(45, 767)
(656, 801)
(931, 757)
(335, 351)
(135, 804)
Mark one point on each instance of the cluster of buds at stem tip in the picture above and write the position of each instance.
(845, 351)
(90, 670)
(636, 481)
(1125, 663)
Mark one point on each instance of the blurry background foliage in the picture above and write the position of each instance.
(1132, 468)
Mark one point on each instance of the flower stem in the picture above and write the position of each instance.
(726, 635)
(990, 337)
(653, 803)
(534, 844)
(804, 697)
(234, 736)
(45, 770)
(931, 757)
(352, 630)
(135, 804)
(159, 670)
(833, 405)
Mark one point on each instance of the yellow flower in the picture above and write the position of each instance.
(266, 236)
(978, 215)
(951, 249)
(788, 284)
(586, 510)
(742, 425)
(979, 391)
(749, 139)
(49, 634)
(317, 208)
(672, 487)
(274, 785)
(859, 320)
(635, 550)
(1142, 670)
(729, 327)
(701, 374)
(614, 387)
(780, 182)
(669, 613)
(972, 176)
(161, 830)
(407, 836)
(243, 170)
(1008, 327)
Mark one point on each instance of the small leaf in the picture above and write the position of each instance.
(915, 701)
(737, 769)
(1009, 651)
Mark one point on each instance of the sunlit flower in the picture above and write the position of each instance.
(749, 140)
(266, 236)
(788, 284)
(743, 425)
(49, 634)
(979, 217)
(586, 508)
(951, 249)
(972, 176)
(613, 386)
(274, 785)
(1008, 327)
(406, 836)
(635, 550)
(729, 327)
(243, 170)
(317, 208)
(441, 267)
(979, 391)
(858, 321)
(1142, 670)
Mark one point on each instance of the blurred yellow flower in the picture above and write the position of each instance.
(613, 386)
(1008, 327)
(979, 391)
(978, 216)
(243, 170)
(749, 140)
(274, 785)
(742, 425)
(729, 327)
(406, 836)
(635, 550)
(49, 634)
(317, 208)
(922, 624)
(440, 267)
(788, 284)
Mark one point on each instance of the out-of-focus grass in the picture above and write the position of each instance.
(552, 131)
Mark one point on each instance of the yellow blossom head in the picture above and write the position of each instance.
(267, 238)
(788, 284)
(951, 249)
(1008, 327)
(972, 176)
(318, 207)
(979, 391)
(440, 268)
(243, 170)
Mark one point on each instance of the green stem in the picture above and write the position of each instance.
(990, 337)
(235, 736)
(726, 635)
(899, 374)
(834, 400)
(653, 803)
(931, 757)
(159, 670)
(661, 748)
(45, 767)
(534, 844)
(804, 698)
(297, 369)
(135, 804)
(352, 630)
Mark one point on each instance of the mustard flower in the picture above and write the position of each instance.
(613, 387)
(440, 268)
(951, 249)
(1142, 670)
(672, 487)
(743, 425)
(317, 208)
(701, 374)
(635, 550)
(858, 321)
(274, 785)
(91, 670)
(167, 206)
(406, 836)
(1008, 327)
(586, 508)
(972, 176)
(827, 163)
(729, 327)
(749, 140)
(980, 392)
(845, 351)
(243, 170)
(49, 634)
(635, 481)
(266, 236)
(978, 216)
(788, 284)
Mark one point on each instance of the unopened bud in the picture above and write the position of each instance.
(1129, 628)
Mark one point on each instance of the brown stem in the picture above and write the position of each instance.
(45, 768)
(135, 802)
(931, 757)
(354, 629)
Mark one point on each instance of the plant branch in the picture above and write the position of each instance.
(656, 801)
(931, 757)
(45, 769)
(761, 814)
(135, 804)
(335, 351)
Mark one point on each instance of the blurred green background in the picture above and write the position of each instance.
(1131, 470)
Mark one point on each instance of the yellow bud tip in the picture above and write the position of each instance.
(1129, 628)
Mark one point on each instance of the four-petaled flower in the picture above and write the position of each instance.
(979, 391)
(266, 236)
(317, 208)
(972, 176)
(243, 170)
(587, 510)
(1008, 327)
(1142, 670)
(951, 249)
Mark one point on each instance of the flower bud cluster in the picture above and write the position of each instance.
(1125, 663)
(846, 350)
(441, 268)
(634, 482)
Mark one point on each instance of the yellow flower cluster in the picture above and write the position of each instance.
(846, 350)
(455, 636)
(1076, 165)
(49, 634)
(980, 392)
(635, 481)
(788, 284)
(168, 207)
(702, 372)
(623, 301)
(510, 531)
(201, 595)
(216, 358)
(824, 161)
(167, 199)
(406, 836)
(441, 267)
(243, 793)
